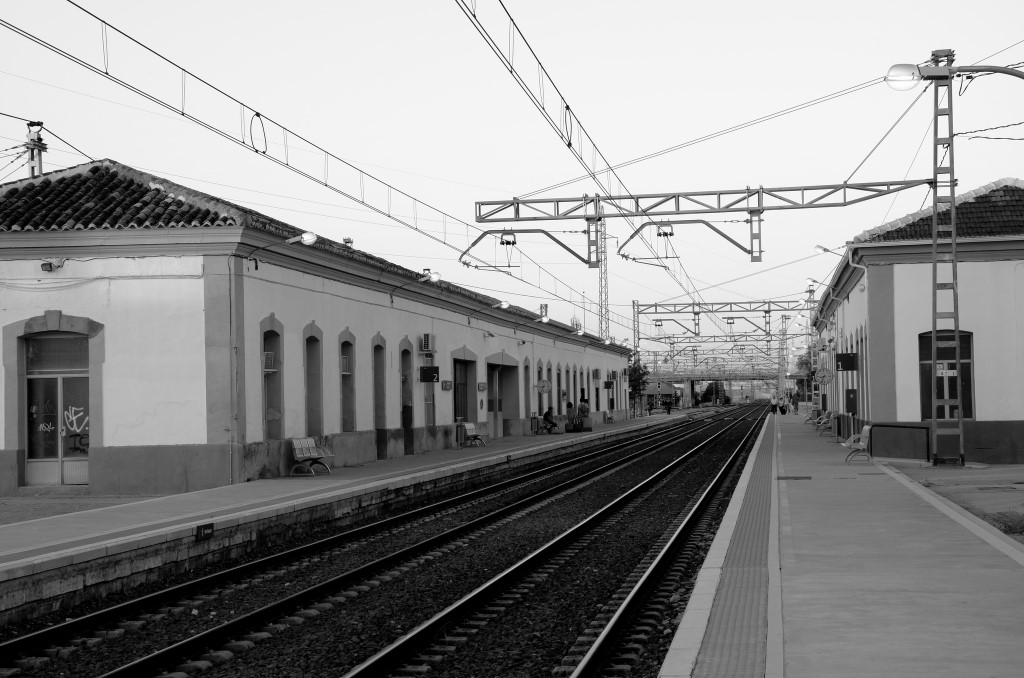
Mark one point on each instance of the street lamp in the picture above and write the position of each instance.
(903, 77)
(307, 238)
(428, 276)
(940, 72)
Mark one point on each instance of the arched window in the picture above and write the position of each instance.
(527, 395)
(348, 384)
(273, 366)
(314, 387)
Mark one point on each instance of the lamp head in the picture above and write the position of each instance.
(903, 77)
(431, 276)
(501, 304)
(307, 238)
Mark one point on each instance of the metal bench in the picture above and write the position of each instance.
(308, 457)
(472, 436)
(824, 424)
(859, 444)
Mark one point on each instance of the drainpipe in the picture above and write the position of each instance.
(849, 258)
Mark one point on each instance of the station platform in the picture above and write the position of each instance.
(44, 556)
(823, 568)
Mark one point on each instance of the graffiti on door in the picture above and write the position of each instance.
(76, 423)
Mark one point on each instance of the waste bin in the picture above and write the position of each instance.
(460, 432)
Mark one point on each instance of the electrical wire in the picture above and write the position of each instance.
(886, 135)
(13, 170)
(570, 122)
(722, 132)
(209, 127)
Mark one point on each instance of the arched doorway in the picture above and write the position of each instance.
(380, 392)
(405, 367)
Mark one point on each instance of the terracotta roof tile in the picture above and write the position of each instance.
(106, 195)
(995, 209)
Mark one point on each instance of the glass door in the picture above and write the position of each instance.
(58, 431)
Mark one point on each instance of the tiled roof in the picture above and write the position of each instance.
(995, 209)
(107, 195)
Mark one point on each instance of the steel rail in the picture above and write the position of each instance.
(214, 637)
(594, 662)
(47, 637)
(406, 647)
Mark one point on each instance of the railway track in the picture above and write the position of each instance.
(613, 638)
(59, 649)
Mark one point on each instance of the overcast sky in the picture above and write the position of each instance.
(409, 92)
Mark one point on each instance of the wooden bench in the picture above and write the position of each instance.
(308, 457)
(472, 435)
(859, 444)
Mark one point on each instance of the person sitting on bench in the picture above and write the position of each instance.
(549, 421)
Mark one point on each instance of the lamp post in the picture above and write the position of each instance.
(940, 72)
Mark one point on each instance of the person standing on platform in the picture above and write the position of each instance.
(774, 403)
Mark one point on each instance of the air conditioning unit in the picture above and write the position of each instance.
(345, 369)
(428, 343)
(268, 362)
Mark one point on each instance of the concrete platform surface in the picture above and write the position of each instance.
(51, 523)
(868, 573)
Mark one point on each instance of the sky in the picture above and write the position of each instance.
(409, 93)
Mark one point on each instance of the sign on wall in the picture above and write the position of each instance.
(846, 362)
(430, 373)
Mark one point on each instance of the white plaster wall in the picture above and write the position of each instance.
(988, 292)
(297, 298)
(851, 317)
(154, 374)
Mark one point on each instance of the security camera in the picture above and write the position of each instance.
(46, 266)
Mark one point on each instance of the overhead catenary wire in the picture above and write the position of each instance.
(714, 135)
(569, 128)
(105, 73)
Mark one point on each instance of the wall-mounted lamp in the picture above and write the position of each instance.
(52, 264)
(543, 314)
(501, 304)
(307, 238)
(821, 249)
(488, 334)
(428, 276)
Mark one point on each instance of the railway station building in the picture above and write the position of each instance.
(156, 339)
(875, 315)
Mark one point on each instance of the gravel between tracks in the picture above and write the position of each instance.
(335, 642)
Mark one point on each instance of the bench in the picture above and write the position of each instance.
(308, 457)
(824, 423)
(472, 436)
(859, 444)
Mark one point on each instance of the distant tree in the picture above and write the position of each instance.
(803, 367)
(638, 379)
(713, 388)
